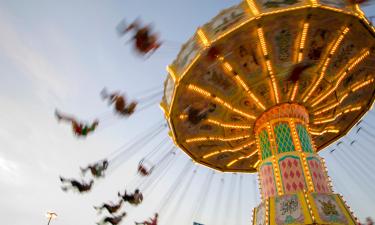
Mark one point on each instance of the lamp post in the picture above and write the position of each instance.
(50, 216)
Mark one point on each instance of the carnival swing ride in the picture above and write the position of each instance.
(263, 88)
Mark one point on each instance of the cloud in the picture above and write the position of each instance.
(45, 78)
(10, 172)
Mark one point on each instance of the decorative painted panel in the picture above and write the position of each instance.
(284, 138)
(226, 20)
(187, 54)
(168, 92)
(267, 179)
(265, 144)
(318, 175)
(260, 214)
(335, 3)
(304, 138)
(329, 209)
(289, 210)
(293, 179)
(270, 5)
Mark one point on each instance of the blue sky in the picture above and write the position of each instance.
(60, 54)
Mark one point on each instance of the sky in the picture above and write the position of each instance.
(60, 54)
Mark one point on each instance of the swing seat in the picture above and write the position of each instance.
(145, 168)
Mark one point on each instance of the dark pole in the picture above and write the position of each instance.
(51, 215)
(49, 220)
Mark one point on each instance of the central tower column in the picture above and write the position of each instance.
(293, 179)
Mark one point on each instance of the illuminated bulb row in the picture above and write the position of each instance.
(273, 80)
(242, 157)
(359, 10)
(294, 93)
(307, 172)
(229, 69)
(256, 164)
(258, 147)
(309, 206)
(331, 90)
(328, 59)
(227, 125)
(312, 140)
(335, 131)
(350, 210)
(319, 79)
(183, 116)
(228, 150)
(326, 109)
(260, 185)
(283, 10)
(262, 41)
(277, 175)
(328, 179)
(199, 90)
(203, 38)
(268, 63)
(199, 139)
(303, 40)
(270, 136)
(295, 136)
(219, 100)
(353, 109)
(362, 84)
(252, 6)
(333, 50)
(335, 9)
(314, 3)
(343, 97)
(253, 97)
(267, 211)
(337, 115)
(354, 89)
(330, 183)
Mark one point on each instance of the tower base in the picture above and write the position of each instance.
(303, 208)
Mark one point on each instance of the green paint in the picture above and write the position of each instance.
(265, 144)
(284, 138)
(304, 138)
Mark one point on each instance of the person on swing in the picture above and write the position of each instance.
(97, 170)
(151, 221)
(135, 199)
(121, 106)
(76, 185)
(80, 129)
(110, 207)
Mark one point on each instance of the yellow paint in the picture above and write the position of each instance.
(228, 125)
(326, 62)
(295, 136)
(354, 63)
(172, 73)
(242, 147)
(252, 7)
(317, 133)
(219, 100)
(203, 139)
(241, 158)
(203, 38)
